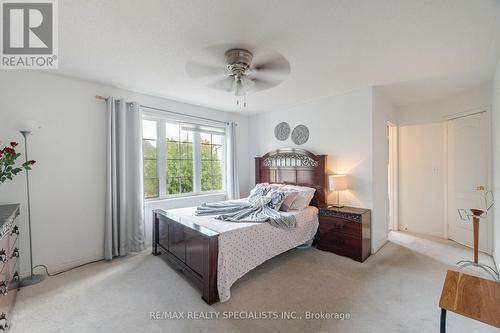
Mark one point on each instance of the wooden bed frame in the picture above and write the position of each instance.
(194, 250)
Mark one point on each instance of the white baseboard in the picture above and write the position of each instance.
(63, 266)
(375, 249)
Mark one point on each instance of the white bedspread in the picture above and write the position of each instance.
(244, 246)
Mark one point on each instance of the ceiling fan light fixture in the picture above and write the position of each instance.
(242, 73)
(238, 65)
(238, 61)
(240, 92)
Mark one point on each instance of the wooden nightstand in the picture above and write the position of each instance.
(345, 231)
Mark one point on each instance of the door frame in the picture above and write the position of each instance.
(393, 179)
(487, 111)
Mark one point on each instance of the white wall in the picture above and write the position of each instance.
(435, 111)
(422, 167)
(496, 164)
(340, 127)
(67, 184)
(383, 112)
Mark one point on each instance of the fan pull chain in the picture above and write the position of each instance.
(244, 100)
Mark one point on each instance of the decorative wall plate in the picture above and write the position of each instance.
(282, 131)
(300, 134)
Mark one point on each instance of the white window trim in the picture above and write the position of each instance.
(161, 158)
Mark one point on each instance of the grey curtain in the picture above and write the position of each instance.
(124, 221)
(233, 185)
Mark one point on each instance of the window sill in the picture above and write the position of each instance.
(186, 196)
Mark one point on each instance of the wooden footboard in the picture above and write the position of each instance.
(190, 248)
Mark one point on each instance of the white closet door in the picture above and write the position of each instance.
(468, 160)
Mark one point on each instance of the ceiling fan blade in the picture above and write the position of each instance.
(199, 70)
(274, 64)
(226, 84)
(263, 84)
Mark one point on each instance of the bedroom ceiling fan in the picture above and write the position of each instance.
(239, 71)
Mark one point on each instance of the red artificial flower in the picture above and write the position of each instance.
(9, 150)
(13, 144)
(32, 162)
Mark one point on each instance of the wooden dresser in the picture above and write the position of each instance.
(9, 263)
(345, 231)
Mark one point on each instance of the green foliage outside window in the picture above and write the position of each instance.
(150, 169)
(179, 166)
(211, 171)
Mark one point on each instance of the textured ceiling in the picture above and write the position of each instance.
(333, 46)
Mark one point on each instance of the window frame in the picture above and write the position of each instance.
(156, 159)
(161, 168)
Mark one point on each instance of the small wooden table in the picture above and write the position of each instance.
(470, 296)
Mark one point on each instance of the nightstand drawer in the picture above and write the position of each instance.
(345, 231)
(341, 244)
(333, 225)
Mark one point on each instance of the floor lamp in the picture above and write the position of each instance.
(477, 215)
(32, 278)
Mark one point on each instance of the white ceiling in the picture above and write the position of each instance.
(333, 46)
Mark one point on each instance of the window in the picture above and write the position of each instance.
(182, 158)
(179, 159)
(211, 161)
(150, 162)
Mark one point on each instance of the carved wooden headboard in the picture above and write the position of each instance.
(294, 166)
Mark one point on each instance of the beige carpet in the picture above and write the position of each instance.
(396, 290)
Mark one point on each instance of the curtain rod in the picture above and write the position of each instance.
(168, 111)
(182, 114)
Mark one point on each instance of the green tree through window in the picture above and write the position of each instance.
(179, 159)
(150, 162)
(211, 162)
(177, 150)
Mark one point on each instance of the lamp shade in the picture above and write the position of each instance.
(29, 126)
(337, 183)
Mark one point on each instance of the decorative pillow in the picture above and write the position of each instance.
(263, 188)
(259, 190)
(302, 201)
(288, 201)
(277, 198)
(305, 195)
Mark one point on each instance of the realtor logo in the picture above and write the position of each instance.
(29, 34)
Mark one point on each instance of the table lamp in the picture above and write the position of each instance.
(337, 183)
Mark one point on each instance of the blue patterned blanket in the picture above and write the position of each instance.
(257, 209)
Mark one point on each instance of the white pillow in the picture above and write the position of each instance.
(299, 188)
(303, 199)
(275, 186)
